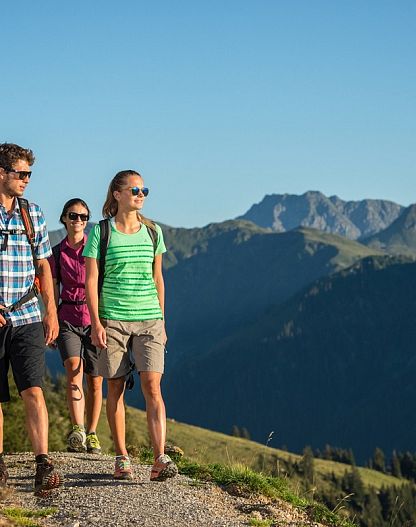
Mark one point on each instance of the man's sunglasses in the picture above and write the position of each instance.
(74, 216)
(21, 174)
(136, 191)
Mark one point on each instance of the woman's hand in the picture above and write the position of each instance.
(164, 335)
(98, 336)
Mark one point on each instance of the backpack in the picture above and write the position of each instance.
(105, 235)
(56, 251)
(29, 230)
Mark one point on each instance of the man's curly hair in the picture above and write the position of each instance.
(10, 153)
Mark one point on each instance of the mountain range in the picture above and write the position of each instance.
(273, 325)
(352, 219)
(334, 364)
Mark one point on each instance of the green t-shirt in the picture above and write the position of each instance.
(129, 291)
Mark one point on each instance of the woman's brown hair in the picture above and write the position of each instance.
(110, 206)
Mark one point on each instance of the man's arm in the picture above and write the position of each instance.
(50, 319)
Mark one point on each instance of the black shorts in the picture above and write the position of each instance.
(23, 347)
(75, 341)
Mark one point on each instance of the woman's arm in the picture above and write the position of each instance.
(50, 319)
(98, 335)
(159, 282)
(160, 285)
(55, 291)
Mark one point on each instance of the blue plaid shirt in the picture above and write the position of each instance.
(17, 272)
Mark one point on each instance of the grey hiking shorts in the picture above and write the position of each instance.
(143, 339)
(75, 341)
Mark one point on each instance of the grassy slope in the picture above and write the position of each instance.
(206, 446)
(220, 457)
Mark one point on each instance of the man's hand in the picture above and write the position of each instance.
(98, 336)
(50, 327)
(3, 321)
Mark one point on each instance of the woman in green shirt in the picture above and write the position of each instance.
(128, 315)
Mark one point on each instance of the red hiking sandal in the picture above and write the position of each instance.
(163, 469)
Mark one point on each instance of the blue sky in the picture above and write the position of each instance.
(215, 103)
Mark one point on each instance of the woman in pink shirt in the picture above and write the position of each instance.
(74, 343)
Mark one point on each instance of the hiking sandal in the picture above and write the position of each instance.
(4, 475)
(163, 469)
(47, 478)
(122, 468)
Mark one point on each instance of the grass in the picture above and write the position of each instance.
(260, 523)
(235, 463)
(205, 447)
(241, 480)
(26, 517)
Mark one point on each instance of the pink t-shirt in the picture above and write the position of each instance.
(72, 284)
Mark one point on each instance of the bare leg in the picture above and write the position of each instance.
(74, 390)
(94, 400)
(36, 419)
(155, 410)
(116, 414)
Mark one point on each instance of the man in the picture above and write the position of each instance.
(22, 335)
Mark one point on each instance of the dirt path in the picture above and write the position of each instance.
(90, 497)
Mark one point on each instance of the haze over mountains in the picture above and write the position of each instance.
(334, 364)
(289, 328)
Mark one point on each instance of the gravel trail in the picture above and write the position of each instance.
(90, 497)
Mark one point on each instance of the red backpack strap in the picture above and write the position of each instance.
(30, 233)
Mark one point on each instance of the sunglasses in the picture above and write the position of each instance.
(74, 216)
(21, 174)
(136, 191)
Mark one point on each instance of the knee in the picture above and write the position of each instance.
(74, 375)
(33, 395)
(115, 388)
(151, 390)
(94, 383)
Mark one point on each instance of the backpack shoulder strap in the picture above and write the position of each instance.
(105, 234)
(27, 219)
(56, 251)
(151, 229)
(30, 233)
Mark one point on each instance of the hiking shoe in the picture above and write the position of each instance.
(47, 478)
(76, 440)
(163, 468)
(4, 475)
(122, 468)
(93, 444)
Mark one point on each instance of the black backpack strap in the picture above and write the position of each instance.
(105, 233)
(56, 251)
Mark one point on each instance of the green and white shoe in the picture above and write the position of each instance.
(93, 444)
(76, 440)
